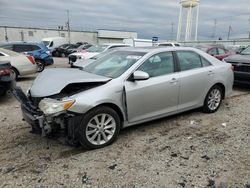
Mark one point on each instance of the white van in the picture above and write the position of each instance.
(53, 42)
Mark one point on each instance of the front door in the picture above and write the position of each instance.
(156, 96)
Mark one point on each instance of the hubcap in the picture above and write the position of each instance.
(100, 129)
(214, 99)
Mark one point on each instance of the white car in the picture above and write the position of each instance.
(93, 51)
(21, 65)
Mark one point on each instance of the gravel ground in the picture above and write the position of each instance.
(188, 150)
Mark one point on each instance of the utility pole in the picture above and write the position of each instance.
(68, 25)
(229, 29)
(172, 31)
(249, 31)
(214, 29)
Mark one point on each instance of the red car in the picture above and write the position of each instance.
(217, 51)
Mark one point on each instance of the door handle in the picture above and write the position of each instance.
(210, 73)
(173, 80)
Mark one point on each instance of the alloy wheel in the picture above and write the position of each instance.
(214, 99)
(100, 129)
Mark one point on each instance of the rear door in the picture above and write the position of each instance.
(156, 96)
(196, 76)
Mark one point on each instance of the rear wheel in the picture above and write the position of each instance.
(99, 128)
(40, 65)
(213, 99)
(14, 73)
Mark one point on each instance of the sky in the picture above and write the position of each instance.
(148, 18)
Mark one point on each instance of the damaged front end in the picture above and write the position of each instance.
(49, 115)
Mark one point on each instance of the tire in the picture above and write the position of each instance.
(14, 73)
(3, 91)
(40, 65)
(213, 99)
(62, 55)
(101, 135)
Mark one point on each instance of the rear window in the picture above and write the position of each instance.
(22, 48)
(7, 46)
(35, 47)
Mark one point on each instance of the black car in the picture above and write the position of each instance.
(5, 77)
(62, 51)
(241, 64)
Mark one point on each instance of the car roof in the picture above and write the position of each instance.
(115, 44)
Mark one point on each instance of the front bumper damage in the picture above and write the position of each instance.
(63, 124)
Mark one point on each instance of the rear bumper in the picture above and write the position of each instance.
(48, 60)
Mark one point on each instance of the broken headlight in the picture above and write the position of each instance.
(52, 106)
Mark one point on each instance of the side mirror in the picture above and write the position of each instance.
(140, 75)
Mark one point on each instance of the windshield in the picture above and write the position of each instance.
(46, 43)
(97, 48)
(246, 51)
(114, 64)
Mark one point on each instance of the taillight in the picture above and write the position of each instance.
(5, 72)
(31, 58)
(48, 52)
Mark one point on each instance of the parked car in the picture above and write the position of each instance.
(81, 48)
(53, 42)
(94, 50)
(83, 62)
(61, 51)
(38, 50)
(21, 65)
(241, 64)
(5, 77)
(218, 52)
(124, 88)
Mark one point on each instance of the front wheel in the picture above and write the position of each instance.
(40, 65)
(213, 100)
(99, 128)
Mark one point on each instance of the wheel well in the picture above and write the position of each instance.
(18, 73)
(222, 87)
(114, 107)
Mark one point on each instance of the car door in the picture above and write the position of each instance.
(196, 76)
(156, 96)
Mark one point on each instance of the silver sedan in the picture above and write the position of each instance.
(125, 88)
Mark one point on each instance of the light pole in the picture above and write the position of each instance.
(68, 26)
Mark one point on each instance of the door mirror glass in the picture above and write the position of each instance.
(140, 75)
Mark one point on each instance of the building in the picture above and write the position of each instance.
(28, 34)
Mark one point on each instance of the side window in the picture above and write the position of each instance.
(213, 51)
(1, 54)
(22, 48)
(159, 64)
(7, 47)
(189, 60)
(221, 51)
(205, 62)
(51, 44)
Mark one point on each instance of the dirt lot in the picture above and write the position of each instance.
(188, 150)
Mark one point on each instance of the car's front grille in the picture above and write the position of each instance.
(241, 67)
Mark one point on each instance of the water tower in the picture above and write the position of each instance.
(187, 10)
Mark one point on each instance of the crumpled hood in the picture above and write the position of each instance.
(238, 59)
(52, 81)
